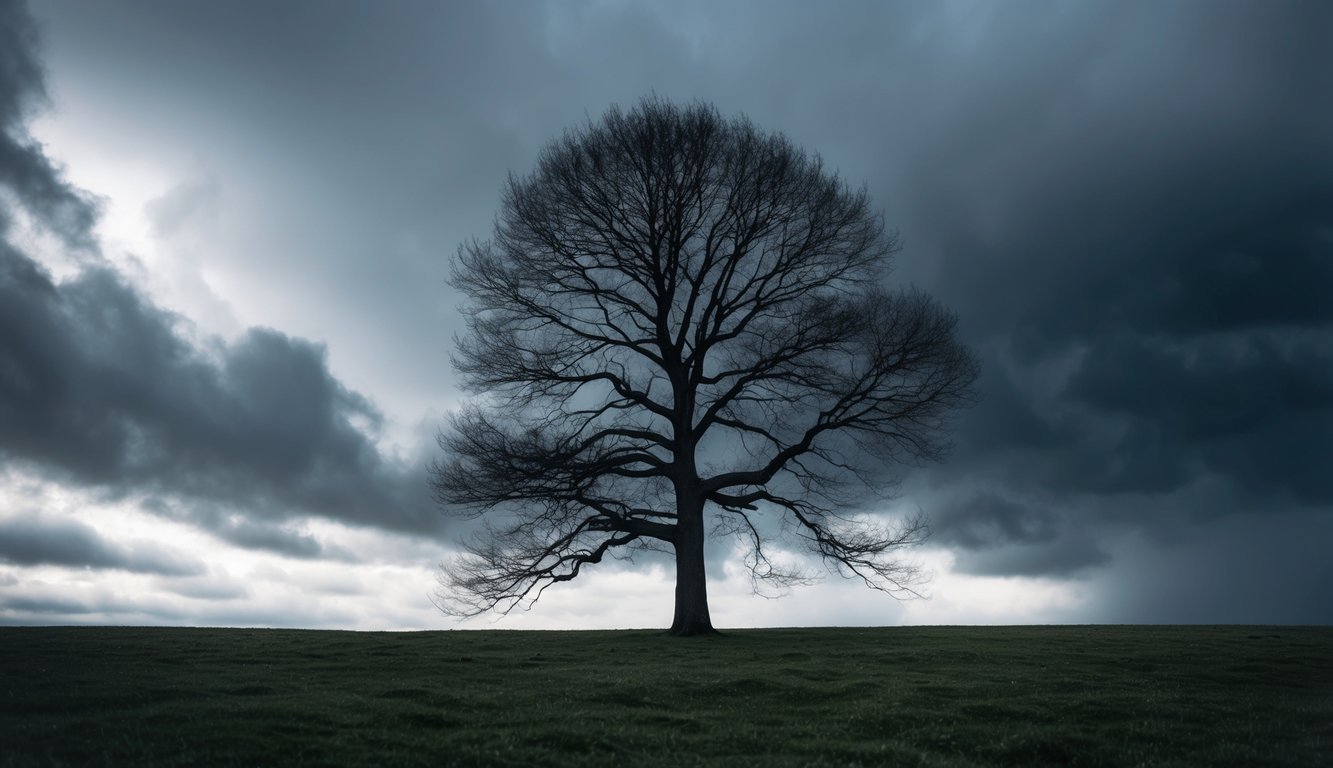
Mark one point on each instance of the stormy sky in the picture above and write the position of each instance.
(224, 326)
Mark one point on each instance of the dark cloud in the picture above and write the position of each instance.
(24, 168)
(1070, 557)
(33, 541)
(1140, 238)
(250, 534)
(20, 67)
(44, 606)
(1255, 407)
(1272, 571)
(99, 385)
(292, 543)
(994, 536)
(988, 520)
(1008, 418)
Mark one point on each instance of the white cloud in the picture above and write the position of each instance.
(239, 587)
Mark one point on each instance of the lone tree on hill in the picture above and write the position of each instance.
(680, 313)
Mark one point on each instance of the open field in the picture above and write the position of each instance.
(937, 696)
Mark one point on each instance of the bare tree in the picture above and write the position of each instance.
(680, 313)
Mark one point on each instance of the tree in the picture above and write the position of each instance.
(680, 314)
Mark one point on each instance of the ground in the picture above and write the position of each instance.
(931, 696)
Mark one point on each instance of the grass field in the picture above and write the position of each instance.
(937, 696)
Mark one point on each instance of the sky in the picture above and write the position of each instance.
(225, 233)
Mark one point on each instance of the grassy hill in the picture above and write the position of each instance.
(934, 696)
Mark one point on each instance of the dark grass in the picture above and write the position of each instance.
(938, 696)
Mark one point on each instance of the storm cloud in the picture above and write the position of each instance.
(102, 388)
(24, 167)
(1145, 257)
(99, 389)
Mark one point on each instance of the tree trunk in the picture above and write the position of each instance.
(691, 584)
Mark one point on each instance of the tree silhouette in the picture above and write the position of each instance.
(680, 314)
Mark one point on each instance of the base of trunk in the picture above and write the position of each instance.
(691, 616)
(692, 629)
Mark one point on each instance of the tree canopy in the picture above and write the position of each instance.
(681, 324)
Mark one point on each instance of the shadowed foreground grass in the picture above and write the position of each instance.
(936, 696)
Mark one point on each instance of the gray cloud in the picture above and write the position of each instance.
(251, 534)
(44, 606)
(24, 168)
(147, 609)
(988, 520)
(1139, 238)
(1256, 407)
(98, 385)
(209, 588)
(1071, 557)
(70, 543)
(995, 536)
(292, 543)
(1272, 571)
